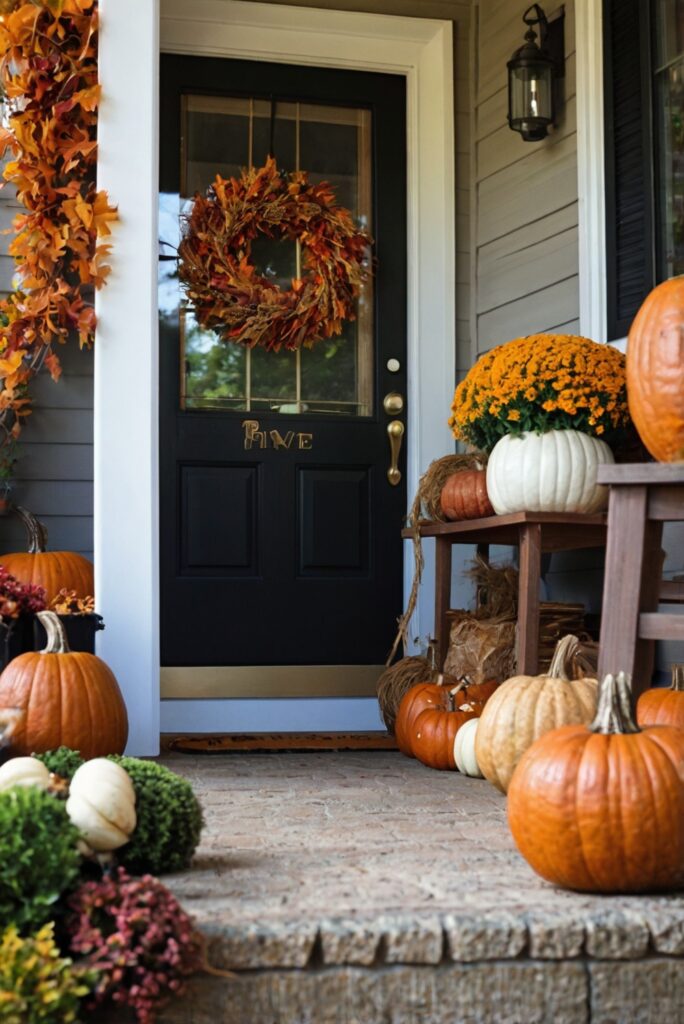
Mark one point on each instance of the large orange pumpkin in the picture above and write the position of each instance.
(663, 706)
(655, 371)
(53, 570)
(70, 698)
(601, 808)
(464, 495)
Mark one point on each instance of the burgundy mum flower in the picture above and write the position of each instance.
(136, 935)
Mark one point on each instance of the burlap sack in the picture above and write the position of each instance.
(481, 648)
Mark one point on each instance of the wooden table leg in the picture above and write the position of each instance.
(442, 596)
(631, 585)
(528, 598)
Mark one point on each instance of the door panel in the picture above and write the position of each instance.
(280, 532)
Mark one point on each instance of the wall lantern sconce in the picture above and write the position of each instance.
(534, 74)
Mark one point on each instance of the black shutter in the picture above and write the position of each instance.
(629, 160)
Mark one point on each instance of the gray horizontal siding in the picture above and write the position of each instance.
(525, 265)
(55, 467)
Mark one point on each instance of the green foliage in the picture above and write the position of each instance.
(63, 761)
(169, 819)
(38, 856)
(37, 986)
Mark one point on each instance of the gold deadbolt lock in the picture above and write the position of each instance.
(393, 403)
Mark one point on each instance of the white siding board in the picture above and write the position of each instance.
(508, 200)
(504, 148)
(529, 315)
(529, 235)
(521, 272)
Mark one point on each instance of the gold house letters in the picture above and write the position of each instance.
(255, 438)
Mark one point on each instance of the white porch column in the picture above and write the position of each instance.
(126, 366)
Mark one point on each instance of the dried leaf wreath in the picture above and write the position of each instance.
(48, 75)
(225, 291)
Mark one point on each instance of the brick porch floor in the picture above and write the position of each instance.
(363, 888)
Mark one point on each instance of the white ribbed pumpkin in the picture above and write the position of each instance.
(24, 771)
(102, 804)
(552, 472)
(464, 749)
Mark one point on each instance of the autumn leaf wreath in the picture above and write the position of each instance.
(222, 285)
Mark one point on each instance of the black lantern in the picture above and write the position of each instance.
(532, 73)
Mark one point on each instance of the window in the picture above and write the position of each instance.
(644, 116)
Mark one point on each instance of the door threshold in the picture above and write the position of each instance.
(225, 743)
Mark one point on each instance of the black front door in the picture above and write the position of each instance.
(280, 528)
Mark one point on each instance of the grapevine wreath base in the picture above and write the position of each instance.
(225, 291)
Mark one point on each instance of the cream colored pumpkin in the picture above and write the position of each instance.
(525, 707)
(102, 804)
(464, 749)
(552, 472)
(24, 771)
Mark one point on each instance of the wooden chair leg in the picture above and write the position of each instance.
(631, 585)
(442, 596)
(528, 598)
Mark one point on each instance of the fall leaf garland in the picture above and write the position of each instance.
(222, 285)
(48, 73)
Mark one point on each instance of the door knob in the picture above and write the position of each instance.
(395, 432)
(393, 403)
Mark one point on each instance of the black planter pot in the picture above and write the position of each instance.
(27, 634)
(16, 637)
(80, 631)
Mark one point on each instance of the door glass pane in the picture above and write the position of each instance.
(669, 93)
(222, 135)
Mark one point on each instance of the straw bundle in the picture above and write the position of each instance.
(398, 680)
(426, 506)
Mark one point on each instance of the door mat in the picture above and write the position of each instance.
(264, 742)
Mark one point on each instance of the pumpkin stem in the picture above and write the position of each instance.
(561, 662)
(56, 634)
(677, 678)
(615, 711)
(37, 531)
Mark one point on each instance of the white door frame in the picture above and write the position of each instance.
(126, 367)
(591, 183)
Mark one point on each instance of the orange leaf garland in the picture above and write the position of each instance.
(48, 73)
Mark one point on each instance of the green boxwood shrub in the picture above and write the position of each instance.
(39, 859)
(63, 761)
(169, 819)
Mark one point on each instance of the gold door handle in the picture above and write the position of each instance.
(395, 432)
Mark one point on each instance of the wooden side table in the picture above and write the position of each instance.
(534, 533)
(642, 497)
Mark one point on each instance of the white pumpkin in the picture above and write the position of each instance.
(101, 804)
(464, 749)
(552, 472)
(24, 771)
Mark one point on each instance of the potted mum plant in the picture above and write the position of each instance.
(546, 408)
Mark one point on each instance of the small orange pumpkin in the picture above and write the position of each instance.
(655, 371)
(434, 730)
(663, 706)
(70, 698)
(420, 697)
(464, 495)
(601, 808)
(53, 570)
